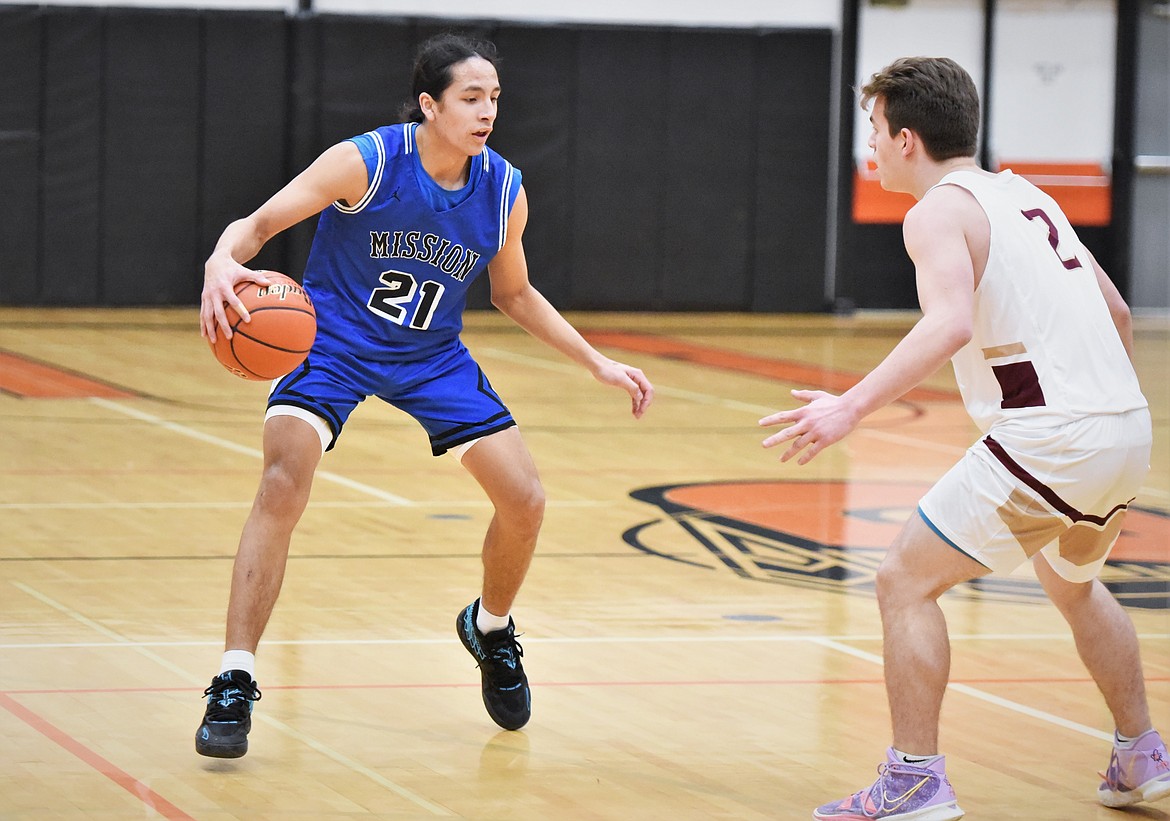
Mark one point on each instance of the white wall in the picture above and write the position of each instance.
(1053, 69)
(921, 28)
(725, 13)
(738, 13)
(285, 5)
(1053, 80)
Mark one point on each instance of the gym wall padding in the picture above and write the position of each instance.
(71, 215)
(150, 160)
(364, 74)
(20, 106)
(793, 111)
(666, 168)
(531, 130)
(705, 257)
(245, 142)
(620, 128)
(875, 270)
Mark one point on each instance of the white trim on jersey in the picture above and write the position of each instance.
(503, 199)
(374, 183)
(408, 138)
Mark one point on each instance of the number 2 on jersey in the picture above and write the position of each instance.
(391, 302)
(1053, 237)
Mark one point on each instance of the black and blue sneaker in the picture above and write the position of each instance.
(228, 718)
(505, 687)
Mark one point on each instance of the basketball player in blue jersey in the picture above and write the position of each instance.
(1041, 343)
(411, 214)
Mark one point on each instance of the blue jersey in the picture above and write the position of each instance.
(389, 274)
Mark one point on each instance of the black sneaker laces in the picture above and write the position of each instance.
(229, 700)
(502, 656)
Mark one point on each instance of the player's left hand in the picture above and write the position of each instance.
(629, 379)
(823, 420)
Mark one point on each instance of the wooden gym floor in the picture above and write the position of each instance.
(699, 624)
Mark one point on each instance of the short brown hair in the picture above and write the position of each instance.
(932, 96)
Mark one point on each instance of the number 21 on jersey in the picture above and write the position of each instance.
(393, 301)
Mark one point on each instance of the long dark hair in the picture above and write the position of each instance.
(432, 67)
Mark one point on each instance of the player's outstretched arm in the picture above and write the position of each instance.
(338, 174)
(936, 241)
(515, 297)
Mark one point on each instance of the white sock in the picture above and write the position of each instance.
(486, 622)
(916, 760)
(239, 660)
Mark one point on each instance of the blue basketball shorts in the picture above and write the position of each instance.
(447, 393)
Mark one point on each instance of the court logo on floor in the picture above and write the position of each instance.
(832, 536)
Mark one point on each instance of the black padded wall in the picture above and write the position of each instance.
(20, 145)
(129, 139)
(792, 203)
(620, 127)
(538, 75)
(875, 270)
(364, 73)
(71, 225)
(707, 223)
(150, 160)
(303, 125)
(666, 168)
(245, 143)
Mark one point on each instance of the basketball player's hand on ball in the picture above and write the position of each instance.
(823, 420)
(222, 276)
(629, 379)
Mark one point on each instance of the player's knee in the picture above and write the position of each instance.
(1069, 597)
(534, 502)
(896, 583)
(887, 583)
(283, 493)
(526, 505)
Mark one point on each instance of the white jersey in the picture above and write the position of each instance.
(1044, 350)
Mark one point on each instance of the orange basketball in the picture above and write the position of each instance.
(279, 336)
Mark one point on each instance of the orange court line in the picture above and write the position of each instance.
(812, 376)
(30, 379)
(120, 777)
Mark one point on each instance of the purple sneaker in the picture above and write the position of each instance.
(903, 792)
(1139, 774)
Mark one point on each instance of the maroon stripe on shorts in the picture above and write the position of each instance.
(1046, 493)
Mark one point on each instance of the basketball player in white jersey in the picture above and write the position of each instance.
(1041, 342)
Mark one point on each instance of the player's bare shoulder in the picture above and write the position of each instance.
(950, 203)
(949, 211)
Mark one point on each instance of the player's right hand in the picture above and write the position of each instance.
(221, 275)
(629, 379)
(822, 420)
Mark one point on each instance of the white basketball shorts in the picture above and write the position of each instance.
(1059, 491)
